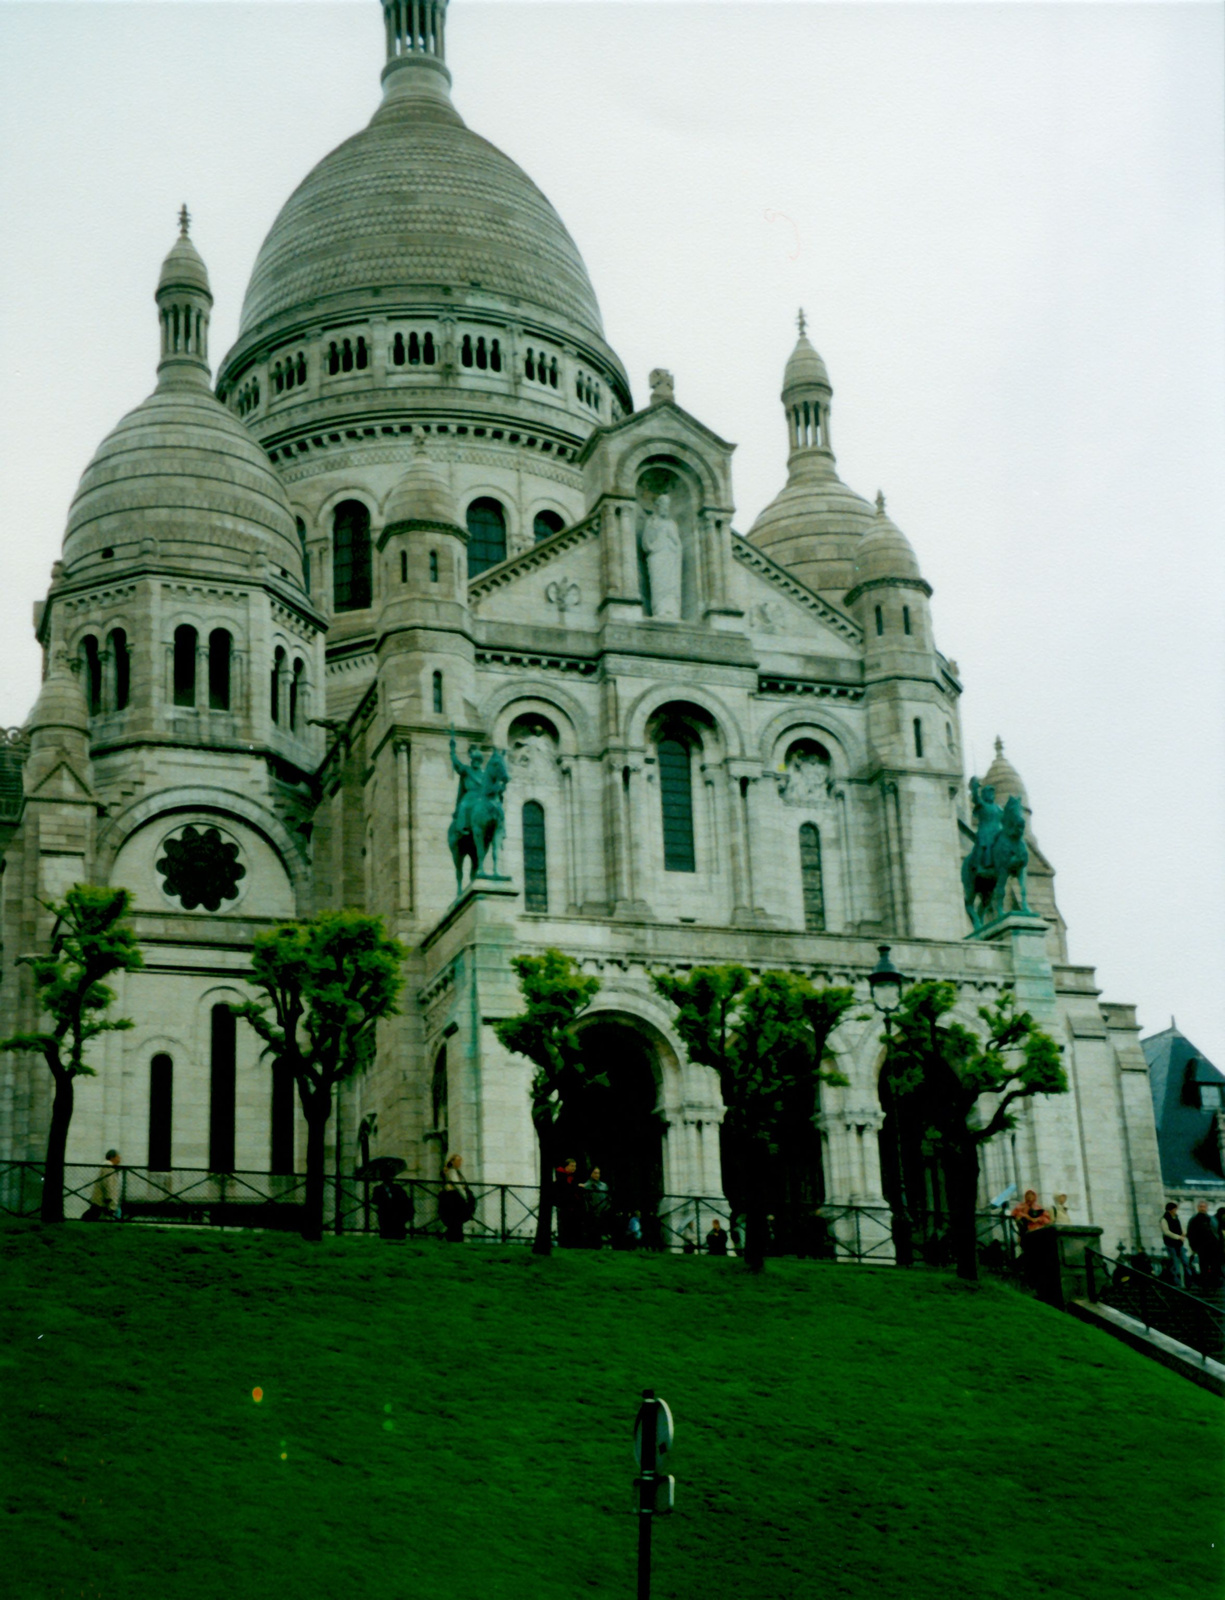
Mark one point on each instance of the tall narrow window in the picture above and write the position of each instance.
(465, 350)
(918, 737)
(676, 797)
(282, 1151)
(222, 1085)
(535, 861)
(185, 666)
(905, 619)
(219, 670)
(810, 875)
(545, 524)
(295, 693)
(123, 668)
(880, 621)
(486, 534)
(274, 685)
(92, 658)
(495, 356)
(403, 566)
(427, 350)
(161, 1105)
(351, 565)
(438, 693)
(433, 566)
(306, 555)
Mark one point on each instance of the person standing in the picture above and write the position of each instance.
(568, 1202)
(1060, 1213)
(595, 1191)
(395, 1208)
(1205, 1244)
(104, 1199)
(456, 1203)
(1175, 1241)
(716, 1239)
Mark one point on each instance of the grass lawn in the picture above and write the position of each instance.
(454, 1423)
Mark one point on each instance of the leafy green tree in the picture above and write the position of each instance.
(555, 992)
(89, 941)
(768, 1039)
(324, 985)
(939, 1073)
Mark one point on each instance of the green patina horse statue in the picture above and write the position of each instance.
(999, 853)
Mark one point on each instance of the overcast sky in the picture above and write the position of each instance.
(1005, 223)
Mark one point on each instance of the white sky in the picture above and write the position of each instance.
(1005, 223)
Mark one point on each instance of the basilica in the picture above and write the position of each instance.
(419, 519)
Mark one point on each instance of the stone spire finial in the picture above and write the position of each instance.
(880, 502)
(801, 323)
(184, 220)
(999, 745)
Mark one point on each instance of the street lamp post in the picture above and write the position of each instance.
(885, 984)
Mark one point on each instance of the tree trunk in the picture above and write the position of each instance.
(755, 1200)
(52, 1209)
(317, 1108)
(542, 1245)
(961, 1168)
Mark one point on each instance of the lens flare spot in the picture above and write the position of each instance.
(257, 1395)
(387, 1408)
(389, 1426)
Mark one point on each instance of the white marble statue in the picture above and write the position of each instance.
(661, 545)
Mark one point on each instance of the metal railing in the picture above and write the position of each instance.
(1132, 1285)
(500, 1213)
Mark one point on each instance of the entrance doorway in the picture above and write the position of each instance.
(616, 1128)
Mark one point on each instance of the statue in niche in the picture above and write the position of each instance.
(806, 779)
(661, 545)
(533, 748)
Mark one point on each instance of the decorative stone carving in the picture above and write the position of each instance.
(661, 545)
(661, 386)
(201, 869)
(533, 748)
(565, 596)
(806, 780)
(768, 616)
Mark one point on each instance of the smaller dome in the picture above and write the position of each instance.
(60, 707)
(184, 268)
(805, 368)
(884, 551)
(1004, 778)
(422, 495)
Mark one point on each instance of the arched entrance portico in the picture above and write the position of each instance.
(618, 1128)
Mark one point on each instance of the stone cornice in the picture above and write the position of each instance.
(921, 584)
(760, 563)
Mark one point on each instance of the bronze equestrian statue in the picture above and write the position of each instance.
(999, 852)
(479, 821)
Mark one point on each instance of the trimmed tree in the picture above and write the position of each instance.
(768, 1039)
(556, 992)
(324, 985)
(89, 941)
(941, 1070)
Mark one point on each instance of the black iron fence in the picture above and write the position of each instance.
(499, 1213)
(1133, 1285)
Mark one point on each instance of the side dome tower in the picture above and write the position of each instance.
(814, 525)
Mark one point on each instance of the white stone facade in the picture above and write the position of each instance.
(816, 720)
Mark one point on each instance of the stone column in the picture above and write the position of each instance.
(573, 888)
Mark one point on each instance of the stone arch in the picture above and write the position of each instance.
(841, 740)
(666, 449)
(117, 830)
(658, 696)
(511, 700)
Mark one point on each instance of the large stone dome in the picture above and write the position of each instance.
(180, 476)
(415, 203)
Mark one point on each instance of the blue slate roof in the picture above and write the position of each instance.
(1186, 1132)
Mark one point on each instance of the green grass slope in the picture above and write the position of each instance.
(455, 1422)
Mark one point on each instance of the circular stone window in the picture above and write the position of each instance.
(200, 868)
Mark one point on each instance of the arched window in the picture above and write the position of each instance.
(810, 876)
(437, 682)
(295, 692)
(905, 619)
(333, 359)
(495, 356)
(918, 737)
(351, 564)
(403, 566)
(363, 356)
(219, 670)
(397, 350)
(438, 1093)
(676, 799)
(306, 555)
(346, 356)
(274, 684)
(486, 534)
(482, 357)
(880, 621)
(414, 350)
(185, 666)
(301, 367)
(282, 1152)
(92, 657)
(427, 350)
(553, 372)
(465, 352)
(433, 566)
(123, 667)
(545, 524)
(535, 861)
(222, 1086)
(161, 1106)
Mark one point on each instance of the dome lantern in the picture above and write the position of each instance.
(806, 396)
(416, 49)
(184, 301)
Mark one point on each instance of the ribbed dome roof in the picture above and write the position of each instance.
(60, 707)
(416, 201)
(884, 551)
(1004, 777)
(804, 367)
(813, 527)
(184, 268)
(180, 470)
(421, 495)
